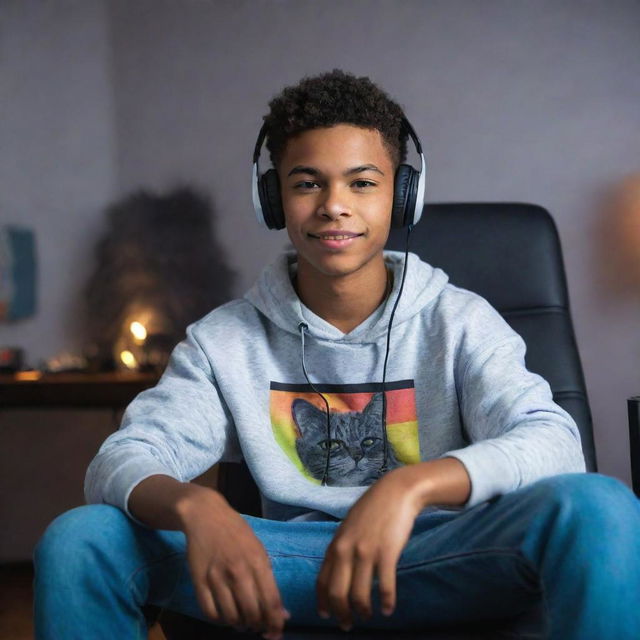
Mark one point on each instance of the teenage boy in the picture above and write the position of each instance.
(425, 489)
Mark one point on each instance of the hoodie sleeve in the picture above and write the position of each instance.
(518, 434)
(180, 427)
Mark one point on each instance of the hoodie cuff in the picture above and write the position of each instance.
(124, 479)
(490, 471)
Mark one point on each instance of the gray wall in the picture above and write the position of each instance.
(57, 153)
(57, 170)
(514, 100)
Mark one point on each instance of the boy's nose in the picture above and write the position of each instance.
(333, 207)
(332, 214)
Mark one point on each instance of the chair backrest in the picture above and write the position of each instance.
(510, 254)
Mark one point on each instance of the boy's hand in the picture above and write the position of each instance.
(369, 540)
(230, 569)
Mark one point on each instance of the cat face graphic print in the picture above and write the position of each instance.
(356, 446)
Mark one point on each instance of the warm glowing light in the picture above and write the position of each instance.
(138, 331)
(128, 359)
(28, 375)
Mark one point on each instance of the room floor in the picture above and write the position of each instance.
(16, 602)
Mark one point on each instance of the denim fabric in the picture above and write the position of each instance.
(562, 556)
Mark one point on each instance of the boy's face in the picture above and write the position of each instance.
(337, 194)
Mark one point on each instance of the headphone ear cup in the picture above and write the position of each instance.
(270, 199)
(404, 195)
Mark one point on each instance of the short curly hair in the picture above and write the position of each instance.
(332, 98)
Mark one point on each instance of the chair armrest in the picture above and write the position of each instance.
(633, 406)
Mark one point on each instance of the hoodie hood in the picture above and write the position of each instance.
(274, 296)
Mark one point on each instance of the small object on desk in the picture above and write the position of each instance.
(67, 362)
(10, 359)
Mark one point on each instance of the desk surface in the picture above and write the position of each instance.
(74, 390)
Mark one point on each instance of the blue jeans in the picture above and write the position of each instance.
(561, 556)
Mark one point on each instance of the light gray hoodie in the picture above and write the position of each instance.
(456, 385)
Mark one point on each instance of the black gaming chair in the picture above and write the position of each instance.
(510, 254)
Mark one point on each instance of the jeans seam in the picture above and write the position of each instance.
(465, 554)
(294, 555)
(130, 581)
(451, 556)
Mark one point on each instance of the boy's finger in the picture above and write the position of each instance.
(322, 584)
(245, 593)
(360, 595)
(387, 576)
(226, 603)
(338, 592)
(274, 613)
(206, 601)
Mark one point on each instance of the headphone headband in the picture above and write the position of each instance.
(261, 136)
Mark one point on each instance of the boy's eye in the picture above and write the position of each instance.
(307, 184)
(363, 184)
(310, 184)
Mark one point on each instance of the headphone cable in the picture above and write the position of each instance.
(302, 326)
(384, 468)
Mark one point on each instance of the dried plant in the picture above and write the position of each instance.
(158, 258)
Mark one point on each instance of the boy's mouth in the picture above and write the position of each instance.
(335, 240)
(335, 235)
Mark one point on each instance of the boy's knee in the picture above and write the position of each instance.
(588, 499)
(572, 515)
(584, 488)
(77, 531)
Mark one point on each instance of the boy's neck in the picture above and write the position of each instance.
(344, 301)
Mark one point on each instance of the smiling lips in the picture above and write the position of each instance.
(335, 235)
(335, 239)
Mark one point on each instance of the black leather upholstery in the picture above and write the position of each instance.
(633, 408)
(510, 254)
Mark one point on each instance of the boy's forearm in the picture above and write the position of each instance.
(162, 502)
(444, 481)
